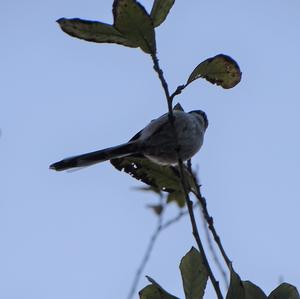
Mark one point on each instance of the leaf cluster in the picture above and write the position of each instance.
(194, 277)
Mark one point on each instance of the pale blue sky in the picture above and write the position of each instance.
(82, 234)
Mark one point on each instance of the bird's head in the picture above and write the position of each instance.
(202, 116)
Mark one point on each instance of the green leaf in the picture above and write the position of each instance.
(131, 18)
(163, 178)
(150, 292)
(178, 197)
(160, 10)
(252, 291)
(236, 289)
(221, 70)
(243, 289)
(194, 274)
(93, 31)
(154, 291)
(285, 291)
(133, 27)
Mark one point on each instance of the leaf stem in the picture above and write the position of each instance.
(178, 91)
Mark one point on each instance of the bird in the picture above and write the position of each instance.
(156, 141)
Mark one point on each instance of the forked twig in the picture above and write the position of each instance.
(159, 228)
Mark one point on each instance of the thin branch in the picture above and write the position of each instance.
(210, 222)
(208, 218)
(159, 228)
(183, 180)
(177, 92)
(208, 236)
(213, 252)
(197, 236)
(164, 85)
(146, 256)
(176, 219)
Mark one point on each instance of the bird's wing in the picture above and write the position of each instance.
(138, 134)
(155, 126)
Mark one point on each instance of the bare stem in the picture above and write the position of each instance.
(183, 180)
(164, 85)
(213, 252)
(208, 218)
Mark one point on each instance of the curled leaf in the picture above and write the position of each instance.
(220, 70)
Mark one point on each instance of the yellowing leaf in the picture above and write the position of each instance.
(220, 70)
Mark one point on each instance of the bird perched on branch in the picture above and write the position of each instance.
(160, 141)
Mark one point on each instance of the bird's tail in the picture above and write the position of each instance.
(96, 157)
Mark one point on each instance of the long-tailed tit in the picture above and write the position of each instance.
(156, 142)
